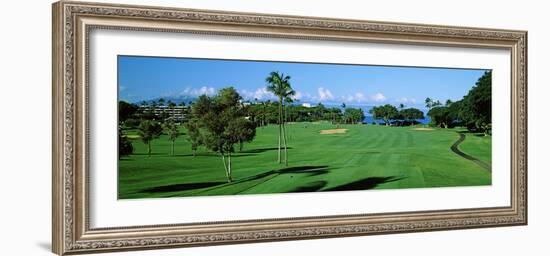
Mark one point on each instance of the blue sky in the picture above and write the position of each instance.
(145, 78)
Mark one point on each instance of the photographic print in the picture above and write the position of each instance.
(202, 127)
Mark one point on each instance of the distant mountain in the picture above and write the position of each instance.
(176, 99)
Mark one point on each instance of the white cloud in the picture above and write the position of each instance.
(205, 90)
(263, 93)
(298, 96)
(324, 94)
(378, 97)
(406, 100)
(357, 97)
(260, 94)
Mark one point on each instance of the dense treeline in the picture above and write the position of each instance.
(392, 116)
(264, 113)
(472, 111)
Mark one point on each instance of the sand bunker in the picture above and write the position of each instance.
(334, 131)
(423, 129)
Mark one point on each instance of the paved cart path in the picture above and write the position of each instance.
(457, 151)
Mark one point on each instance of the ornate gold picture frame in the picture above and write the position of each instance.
(72, 24)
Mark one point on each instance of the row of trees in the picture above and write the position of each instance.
(149, 130)
(264, 113)
(403, 115)
(472, 111)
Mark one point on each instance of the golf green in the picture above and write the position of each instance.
(361, 157)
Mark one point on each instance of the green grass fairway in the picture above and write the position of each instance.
(364, 157)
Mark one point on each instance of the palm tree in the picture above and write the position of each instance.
(280, 86)
(343, 110)
(429, 102)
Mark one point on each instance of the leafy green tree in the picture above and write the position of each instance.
(173, 133)
(279, 85)
(193, 135)
(409, 114)
(126, 110)
(386, 112)
(478, 104)
(164, 115)
(288, 102)
(354, 115)
(430, 103)
(440, 116)
(244, 131)
(218, 123)
(149, 130)
(125, 147)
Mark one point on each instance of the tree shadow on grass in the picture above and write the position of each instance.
(367, 183)
(309, 170)
(181, 187)
(311, 187)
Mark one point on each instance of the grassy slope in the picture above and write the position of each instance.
(477, 145)
(365, 157)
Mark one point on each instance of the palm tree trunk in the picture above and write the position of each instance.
(284, 137)
(229, 167)
(286, 151)
(280, 131)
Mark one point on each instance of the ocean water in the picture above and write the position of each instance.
(370, 119)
